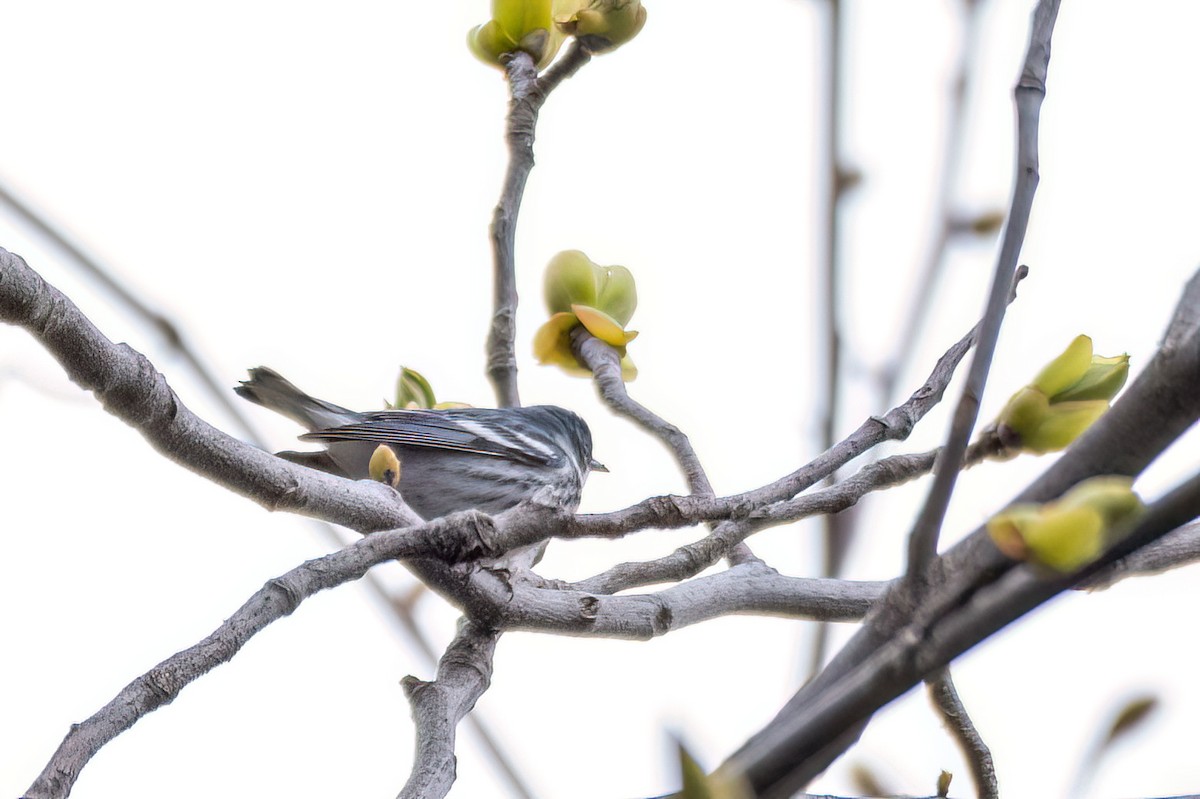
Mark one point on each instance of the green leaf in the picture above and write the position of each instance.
(413, 390)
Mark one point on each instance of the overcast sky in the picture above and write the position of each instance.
(310, 189)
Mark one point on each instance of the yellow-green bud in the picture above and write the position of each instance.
(603, 326)
(1065, 370)
(517, 25)
(574, 279)
(618, 293)
(384, 466)
(552, 343)
(1065, 398)
(1072, 531)
(601, 298)
(570, 279)
(724, 783)
(1112, 496)
(1104, 378)
(605, 25)
(413, 390)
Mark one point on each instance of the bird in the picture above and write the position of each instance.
(453, 459)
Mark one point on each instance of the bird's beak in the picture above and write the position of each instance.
(597, 466)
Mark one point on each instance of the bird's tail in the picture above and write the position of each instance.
(268, 388)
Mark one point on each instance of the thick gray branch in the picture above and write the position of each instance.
(464, 673)
(130, 388)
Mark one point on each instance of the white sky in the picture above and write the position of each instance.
(310, 190)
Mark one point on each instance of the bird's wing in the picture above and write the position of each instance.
(476, 434)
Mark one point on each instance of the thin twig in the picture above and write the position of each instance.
(693, 558)
(895, 425)
(606, 373)
(452, 695)
(1154, 411)
(946, 224)
(777, 767)
(1180, 547)
(604, 364)
(527, 94)
(835, 538)
(679, 511)
(950, 707)
(946, 211)
(160, 322)
(1029, 93)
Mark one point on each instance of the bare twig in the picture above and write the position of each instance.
(946, 223)
(835, 543)
(528, 93)
(840, 528)
(1161, 403)
(895, 425)
(945, 209)
(680, 511)
(464, 674)
(1029, 93)
(160, 322)
(765, 592)
(158, 687)
(127, 385)
(781, 774)
(950, 707)
(605, 366)
(693, 558)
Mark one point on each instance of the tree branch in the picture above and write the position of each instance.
(129, 387)
(895, 425)
(464, 673)
(1180, 547)
(1029, 93)
(693, 558)
(950, 707)
(947, 219)
(605, 365)
(828, 308)
(125, 382)
(528, 93)
(1161, 403)
(176, 340)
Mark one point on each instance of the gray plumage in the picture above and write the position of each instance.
(488, 459)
